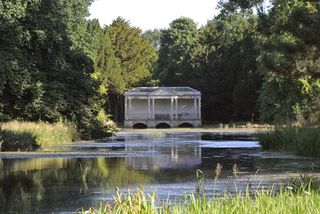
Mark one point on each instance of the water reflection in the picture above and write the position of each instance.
(163, 161)
(33, 185)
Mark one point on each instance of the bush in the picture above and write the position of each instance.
(103, 126)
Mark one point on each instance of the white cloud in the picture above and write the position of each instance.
(150, 14)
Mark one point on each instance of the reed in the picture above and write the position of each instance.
(17, 135)
(300, 195)
(304, 183)
(284, 201)
(299, 140)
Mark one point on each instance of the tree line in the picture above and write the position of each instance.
(252, 62)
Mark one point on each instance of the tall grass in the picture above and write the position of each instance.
(299, 140)
(269, 201)
(27, 135)
(300, 195)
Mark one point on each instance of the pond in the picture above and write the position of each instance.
(83, 174)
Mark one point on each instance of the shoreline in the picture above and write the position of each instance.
(193, 130)
(61, 154)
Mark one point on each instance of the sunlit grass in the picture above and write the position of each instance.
(300, 195)
(29, 134)
(296, 195)
(284, 201)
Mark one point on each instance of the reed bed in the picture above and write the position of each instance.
(300, 195)
(284, 201)
(303, 141)
(23, 135)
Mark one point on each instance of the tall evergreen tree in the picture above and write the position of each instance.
(134, 51)
(135, 55)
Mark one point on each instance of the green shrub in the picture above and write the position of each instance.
(103, 126)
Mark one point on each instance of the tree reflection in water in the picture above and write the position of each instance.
(34, 185)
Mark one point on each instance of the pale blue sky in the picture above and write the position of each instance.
(150, 14)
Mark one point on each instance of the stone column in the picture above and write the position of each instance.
(171, 110)
(149, 109)
(130, 106)
(153, 116)
(195, 108)
(177, 108)
(199, 108)
(126, 108)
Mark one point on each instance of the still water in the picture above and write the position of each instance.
(85, 173)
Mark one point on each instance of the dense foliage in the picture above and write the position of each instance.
(249, 65)
(45, 73)
(218, 59)
(289, 62)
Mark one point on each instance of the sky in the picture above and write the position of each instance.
(151, 14)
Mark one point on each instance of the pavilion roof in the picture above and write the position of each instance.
(162, 91)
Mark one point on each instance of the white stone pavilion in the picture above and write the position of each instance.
(162, 106)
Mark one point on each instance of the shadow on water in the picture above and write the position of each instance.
(244, 157)
(163, 161)
(228, 136)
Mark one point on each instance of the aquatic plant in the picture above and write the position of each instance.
(217, 172)
(300, 140)
(300, 195)
(137, 202)
(200, 177)
(304, 183)
(17, 135)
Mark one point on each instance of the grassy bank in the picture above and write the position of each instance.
(16, 135)
(300, 195)
(299, 140)
(284, 201)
